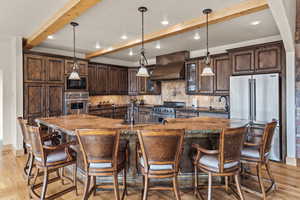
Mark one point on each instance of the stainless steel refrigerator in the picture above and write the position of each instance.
(256, 98)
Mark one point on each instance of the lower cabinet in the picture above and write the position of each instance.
(42, 100)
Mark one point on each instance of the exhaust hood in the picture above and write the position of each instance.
(170, 71)
(170, 66)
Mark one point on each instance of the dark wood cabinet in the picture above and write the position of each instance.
(113, 80)
(54, 99)
(191, 70)
(268, 58)
(83, 67)
(123, 81)
(223, 70)
(54, 70)
(264, 58)
(205, 83)
(132, 82)
(43, 86)
(34, 101)
(98, 79)
(34, 68)
(243, 61)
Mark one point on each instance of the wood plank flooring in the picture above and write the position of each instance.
(13, 185)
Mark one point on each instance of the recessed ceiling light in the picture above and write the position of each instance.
(197, 36)
(98, 46)
(157, 45)
(165, 22)
(51, 37)
(124, 37)
(254, 23)
(130, 52)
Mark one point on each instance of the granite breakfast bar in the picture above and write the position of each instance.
(201, 130)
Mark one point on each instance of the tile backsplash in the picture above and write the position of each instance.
(171, 91)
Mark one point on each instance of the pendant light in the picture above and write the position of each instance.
(74, 74)
(143, 72)
(207, 70)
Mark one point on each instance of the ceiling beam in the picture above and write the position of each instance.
(71, 10)
(244, 8)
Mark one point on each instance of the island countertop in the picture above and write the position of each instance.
(70, 123)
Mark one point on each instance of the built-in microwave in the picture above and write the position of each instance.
(76, 84)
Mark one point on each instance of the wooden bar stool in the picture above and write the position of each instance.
(258, 154)
(222, 162)
(159, 157)
(104, 155)
(26, 140)
(49, 159)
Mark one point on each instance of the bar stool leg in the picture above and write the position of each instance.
(146, 182)
(116, 186)
(95, 185)
(86, 187)
(30, 168)
(75, 178)
(176, 190)
(260, 180)
(238, 186)
(209, 186)
(45, 183)
(267, 164)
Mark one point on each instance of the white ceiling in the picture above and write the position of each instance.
(110, 19)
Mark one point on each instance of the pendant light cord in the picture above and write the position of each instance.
(207, 34)
(143, 59)
(74, 45)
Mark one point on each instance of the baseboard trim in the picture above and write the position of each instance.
(291, 161)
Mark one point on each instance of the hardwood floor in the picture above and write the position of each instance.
(13, 185)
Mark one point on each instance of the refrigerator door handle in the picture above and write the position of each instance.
(254, 98)
(250, 100)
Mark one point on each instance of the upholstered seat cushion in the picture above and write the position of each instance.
(212, 161)
(55, 156)
(121, 159)
(250, 152)
(157, 167)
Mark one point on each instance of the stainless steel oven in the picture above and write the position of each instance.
(76, 102)
(76, 84)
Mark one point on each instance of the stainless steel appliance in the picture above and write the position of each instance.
(167, 110)
(256, 98)
(76, 84)
(76, 102)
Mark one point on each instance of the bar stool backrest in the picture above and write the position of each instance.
(25, 134)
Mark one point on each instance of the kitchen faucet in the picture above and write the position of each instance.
(226, 102)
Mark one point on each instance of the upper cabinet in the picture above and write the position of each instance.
(205, 83)
(142, 85)
(243, 61)
(83, 67)
(208, 85)
(266, 58)
(222, 69)
(43, 69)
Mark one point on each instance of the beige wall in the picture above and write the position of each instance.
(171, 91)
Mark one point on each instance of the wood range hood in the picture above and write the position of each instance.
(170, 66)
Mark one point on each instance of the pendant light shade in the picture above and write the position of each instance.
(207, 70)
(143, 72)
(74, 74)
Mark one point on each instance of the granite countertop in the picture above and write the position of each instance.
(70, 123)
(184, 109)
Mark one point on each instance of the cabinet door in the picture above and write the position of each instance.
(34, 68)
(83, 67)
(191, 77)
(113, 80)
(123, 81)
(205, 83)
(54, 100)
(142, 85)
(222, 74)
(268, 58)
(243, 62)
(92, 77)
(102, 79)
(34, 101)
(54, 70)
(132, 82)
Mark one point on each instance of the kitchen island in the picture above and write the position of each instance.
(201, 130)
